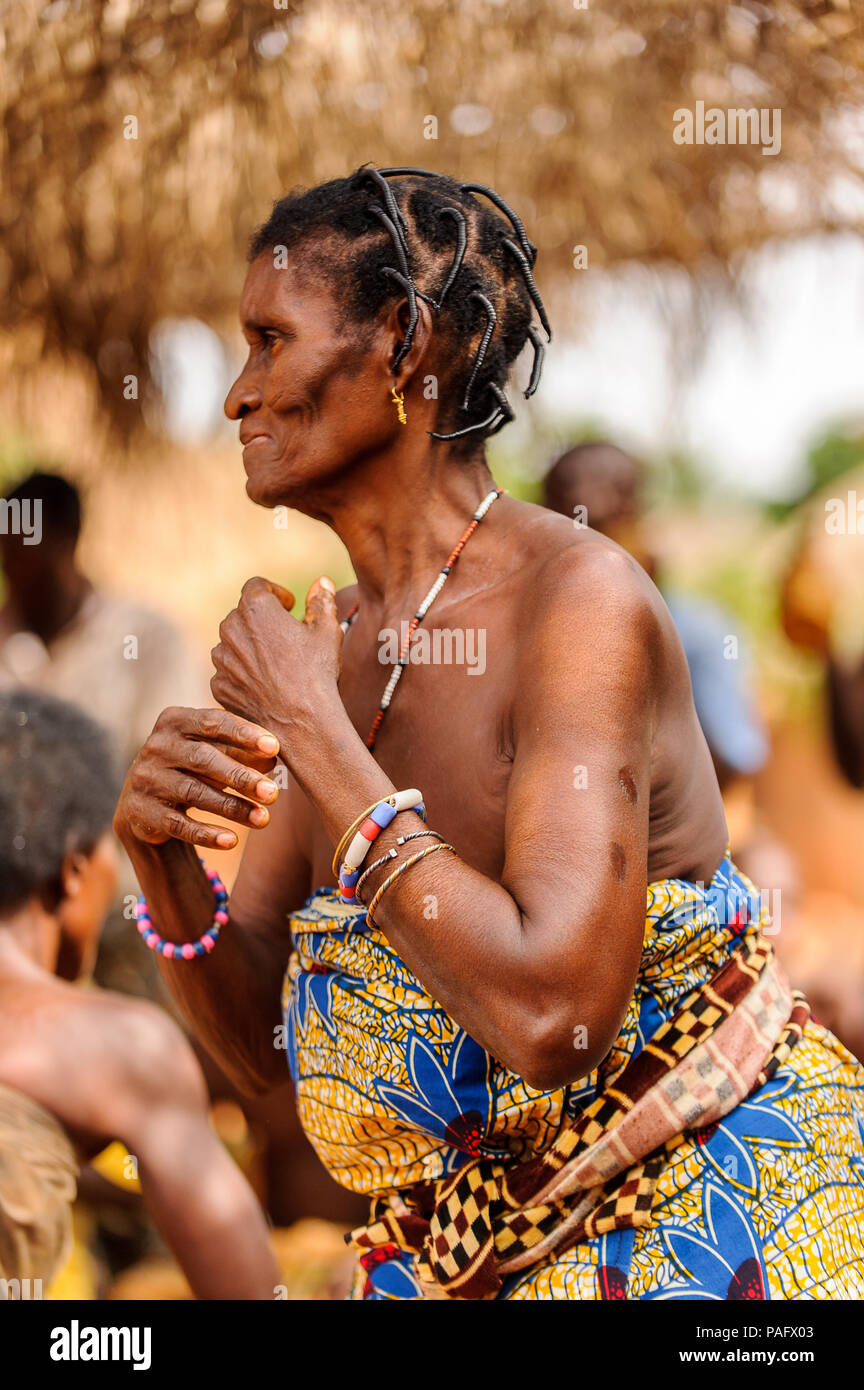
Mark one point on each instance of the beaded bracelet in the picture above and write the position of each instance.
(391, 854)
(397, 873)
(186, 950)
(360, 840)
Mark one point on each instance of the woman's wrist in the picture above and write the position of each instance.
(333, 767)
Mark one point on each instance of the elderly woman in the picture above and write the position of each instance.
(537, 1020)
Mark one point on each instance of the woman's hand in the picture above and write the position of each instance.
(269, 666)
(208, 759)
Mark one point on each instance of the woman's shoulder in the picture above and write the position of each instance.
(571, 571)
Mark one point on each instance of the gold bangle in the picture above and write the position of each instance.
(397, 872)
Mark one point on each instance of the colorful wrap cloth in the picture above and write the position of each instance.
(718, 1152)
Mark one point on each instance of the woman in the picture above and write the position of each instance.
(454, 1058)
(81, 1068)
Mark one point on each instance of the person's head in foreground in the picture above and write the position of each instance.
(38, 544)
(58, 867)
(531, 864)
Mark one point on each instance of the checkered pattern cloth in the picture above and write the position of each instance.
(492, 1218)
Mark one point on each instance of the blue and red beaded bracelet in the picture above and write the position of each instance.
(186, 950)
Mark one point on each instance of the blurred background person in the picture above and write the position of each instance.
(106, 1067)
(117, 659)
(809, 606)
(823, 945)
(61, 633)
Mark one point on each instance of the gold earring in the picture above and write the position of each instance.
(398, 398)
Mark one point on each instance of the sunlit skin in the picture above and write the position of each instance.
(540, 919)
(110, 1067)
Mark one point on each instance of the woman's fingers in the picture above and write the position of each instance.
(209, 763)
(153, 823)
(221, 725)
(208, 759)
(321, 601)
(182, 827)
(181, 789)
(253, 588)
(260, 762)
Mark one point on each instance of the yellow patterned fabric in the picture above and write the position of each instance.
(769, 1202)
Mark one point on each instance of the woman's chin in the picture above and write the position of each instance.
(264, 491)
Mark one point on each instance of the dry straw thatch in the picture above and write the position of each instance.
(567, 111)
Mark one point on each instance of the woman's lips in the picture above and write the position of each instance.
(255, 439)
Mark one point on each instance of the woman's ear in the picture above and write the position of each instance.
(398, 323)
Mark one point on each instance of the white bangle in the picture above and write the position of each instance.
(378, 820)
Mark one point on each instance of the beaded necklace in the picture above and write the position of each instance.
(402, 662)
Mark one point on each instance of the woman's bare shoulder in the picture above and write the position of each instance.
(574, 572)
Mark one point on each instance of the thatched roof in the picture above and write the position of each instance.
(568, 112)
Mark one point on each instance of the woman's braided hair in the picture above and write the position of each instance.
(414, 234)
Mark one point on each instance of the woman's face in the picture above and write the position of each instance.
(314, 394)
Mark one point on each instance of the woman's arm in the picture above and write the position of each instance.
(231, 997)
(556, 945)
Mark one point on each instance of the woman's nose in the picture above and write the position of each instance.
(243, 397)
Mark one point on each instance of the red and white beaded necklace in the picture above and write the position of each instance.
(402, 661)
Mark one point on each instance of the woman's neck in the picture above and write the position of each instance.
(400, 516)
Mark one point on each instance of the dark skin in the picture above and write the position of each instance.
(540, 918)
(45, 586)
(110, 1067)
